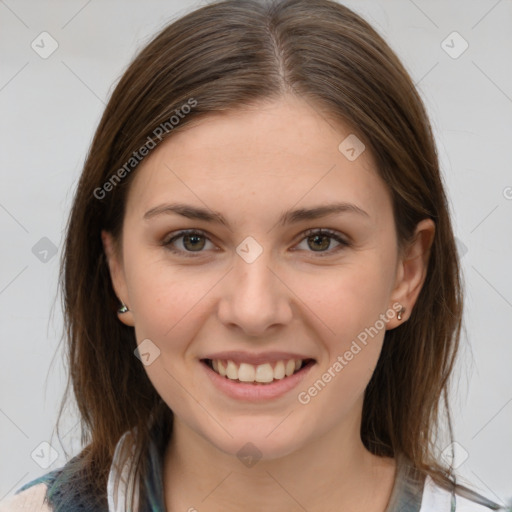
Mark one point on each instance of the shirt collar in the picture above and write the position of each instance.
(117, 496)
(407, 492)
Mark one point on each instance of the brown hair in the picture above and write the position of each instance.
(227, 55)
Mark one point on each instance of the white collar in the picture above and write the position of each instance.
(117, 495)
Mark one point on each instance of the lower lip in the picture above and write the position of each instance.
(256, 392)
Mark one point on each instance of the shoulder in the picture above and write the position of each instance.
(32, 496)
(437, 498)
(31, 499)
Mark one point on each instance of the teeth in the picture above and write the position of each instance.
(290, 367)
(263, 373)
(232, 371)
(279, 372)
(246, 372)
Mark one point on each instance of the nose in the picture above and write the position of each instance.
(254, 297)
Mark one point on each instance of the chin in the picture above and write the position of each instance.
(262, 440)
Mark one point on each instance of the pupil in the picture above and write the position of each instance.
(325, 238)
(194, 239)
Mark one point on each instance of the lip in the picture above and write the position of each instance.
(257, 392)
(255, 359)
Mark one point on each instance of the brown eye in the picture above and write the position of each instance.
(319, 241)
(192, 241)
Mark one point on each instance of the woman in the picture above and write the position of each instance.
(261, 284)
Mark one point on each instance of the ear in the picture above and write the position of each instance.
(115, 266)
(412, 270)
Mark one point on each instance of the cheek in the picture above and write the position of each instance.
(351, 302)
(351, 296)
(164, 296)
(352, 344)
(167, 305)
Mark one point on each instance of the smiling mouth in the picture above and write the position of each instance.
(265, 373)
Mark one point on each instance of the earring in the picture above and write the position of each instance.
(123, 308)
(399, 316)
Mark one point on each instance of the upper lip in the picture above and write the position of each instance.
(238, 356)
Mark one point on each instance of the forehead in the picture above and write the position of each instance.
(271, 153)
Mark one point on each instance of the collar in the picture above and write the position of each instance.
(117, 496)
(407, 492)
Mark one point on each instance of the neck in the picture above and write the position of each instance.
(334, 472)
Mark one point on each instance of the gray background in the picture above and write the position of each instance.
(49, 111)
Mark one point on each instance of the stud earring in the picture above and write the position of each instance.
(399, 316)
(123, 308)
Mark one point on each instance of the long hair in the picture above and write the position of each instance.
(222, 57)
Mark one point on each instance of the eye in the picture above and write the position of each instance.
(194, 241)
(321, 239)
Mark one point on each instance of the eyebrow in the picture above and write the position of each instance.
(289, 217)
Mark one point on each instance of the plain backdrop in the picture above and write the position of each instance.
(50, 108)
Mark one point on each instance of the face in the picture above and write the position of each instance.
(264, 286)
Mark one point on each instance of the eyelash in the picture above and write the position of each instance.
(310, 232)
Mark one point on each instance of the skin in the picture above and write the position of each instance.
(251, 165)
